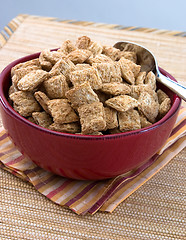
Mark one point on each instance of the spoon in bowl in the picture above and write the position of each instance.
(148, 63)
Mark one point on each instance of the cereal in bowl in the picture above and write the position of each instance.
(87, 88)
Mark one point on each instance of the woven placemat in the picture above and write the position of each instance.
(155, 211)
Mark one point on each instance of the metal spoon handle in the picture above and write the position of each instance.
(177, 88)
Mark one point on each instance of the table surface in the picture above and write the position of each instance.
(156, 210)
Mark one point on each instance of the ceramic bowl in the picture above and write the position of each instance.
(80, 156)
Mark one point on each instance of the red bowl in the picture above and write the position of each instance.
(80, 156)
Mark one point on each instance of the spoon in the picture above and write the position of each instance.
(148, 63)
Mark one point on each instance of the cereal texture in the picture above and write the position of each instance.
(87, 88)
(86, 75)
(92, 117)
(81, 94)
(32, 80)
(42, 99)
(42, 119)
(109, 72)
(24, 103)
(129, 120)
(122, 103)
(56, 86)
(61, 111)
(66, 127)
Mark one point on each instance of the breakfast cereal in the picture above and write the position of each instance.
(87, 88)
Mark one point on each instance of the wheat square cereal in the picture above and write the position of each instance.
(42, 119)
(126, 71)
(67, 47)
(24, 103)
(66, 127)
(31, 63)
(83, 42)
(122, 103)
(63, 66)
(32, 80)
(141, 78)
(86, 75)
(128, 55)
(111, 52)
(136, 90)
(111, 118)
(61, 111)
(21, 72)
(161, 96)
(108, 72)
(49, 58)
(42, 99)
(79, 55)
(82, 66)
(148, 106)
(96, 48)
(129, 120)
(151, 80)
(99, 59)
(81, 94)
(92, 117)
(164, 107)
(144, 122)
(115, 88)
(56, 86)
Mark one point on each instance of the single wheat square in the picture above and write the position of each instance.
(61, 111)
(111, 52)
(92, 117)
(21, 72)
(42, 99)
(115, 88)
(164, 107)
(109, 72)
(99, 59)
(86, 75)
(151, 80)
(122, 103)
(128, 55)
(32, 80)
(81, 94)
(136, 90)
(42, 119)
(129, 120)
(134, 67)
(144, 122)
(148, 106)
(161, 96)
(65, 127)
(82, 66)
(79, 56)
(111, 118)
(141, 78)
(126, 71)
(83, 42)
(24, 103)
(63, 66)
(31, 63)
(67, 47)
(49, 58)
(96, 48)
(56, 86)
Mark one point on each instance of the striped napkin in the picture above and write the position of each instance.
(90, 196)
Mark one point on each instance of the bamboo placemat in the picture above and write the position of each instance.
(156, 210)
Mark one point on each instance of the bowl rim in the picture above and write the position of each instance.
(8, 108)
